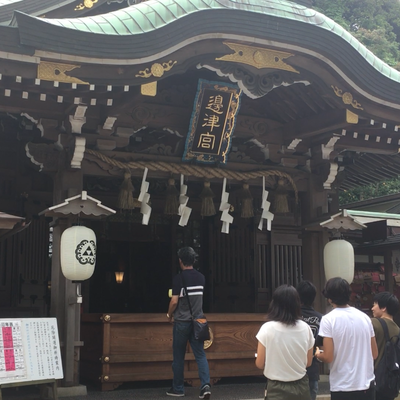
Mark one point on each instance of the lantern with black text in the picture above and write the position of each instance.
(339, 260)
(78, 253)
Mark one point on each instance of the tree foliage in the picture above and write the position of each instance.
(370, 191)
(375, 23)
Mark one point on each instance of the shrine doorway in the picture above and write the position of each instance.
(147, 277)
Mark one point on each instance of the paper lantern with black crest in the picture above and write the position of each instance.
(78, 253)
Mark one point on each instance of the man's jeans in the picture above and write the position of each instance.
(313, 389)
(183, 332)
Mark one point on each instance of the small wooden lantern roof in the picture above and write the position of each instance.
(342, 221)
(8, 221)
(81, 204)
(354, 219)
(11, 224)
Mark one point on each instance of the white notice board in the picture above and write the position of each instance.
(29, 350)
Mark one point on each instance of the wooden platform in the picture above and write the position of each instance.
(122, 348)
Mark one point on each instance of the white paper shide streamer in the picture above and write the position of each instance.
(266, 214)
(226, 218)
(144, 198)
(183, 210)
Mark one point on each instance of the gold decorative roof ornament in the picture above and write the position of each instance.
(258, 57)
(156, 70)
(85, 4)
(149, 89)
(56, 72)
(347, 98)
(351, 117)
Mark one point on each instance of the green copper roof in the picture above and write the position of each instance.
(155, 14)
(371, 214)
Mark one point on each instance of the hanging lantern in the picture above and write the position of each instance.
(119, 276)
(339, 260)
(78, 253)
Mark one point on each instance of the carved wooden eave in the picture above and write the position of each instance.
(308, 105)
(43, 155)
(79, 151)
(333, 48)
(82, 205)
(267, 76)
(143, 53)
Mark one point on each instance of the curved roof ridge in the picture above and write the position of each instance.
(171, 10)
(153, 14)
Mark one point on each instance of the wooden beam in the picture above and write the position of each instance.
(360, 145)
(48, 109)
(312, 126)
(159, 116)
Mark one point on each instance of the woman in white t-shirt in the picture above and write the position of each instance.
(285, 347)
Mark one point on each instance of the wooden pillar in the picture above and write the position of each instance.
(57, 279)
(71, 330)
(67, 183)
(314, 205)
(313, 264)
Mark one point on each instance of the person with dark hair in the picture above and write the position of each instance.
(348, 344)
(307, 293)
(285, 347)
(386, 305)
(179, 310)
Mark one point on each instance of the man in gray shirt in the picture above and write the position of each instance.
(182, 331)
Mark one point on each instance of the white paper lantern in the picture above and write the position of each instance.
(78, 253)
(339, 260)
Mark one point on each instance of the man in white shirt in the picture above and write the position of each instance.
(348, 344)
